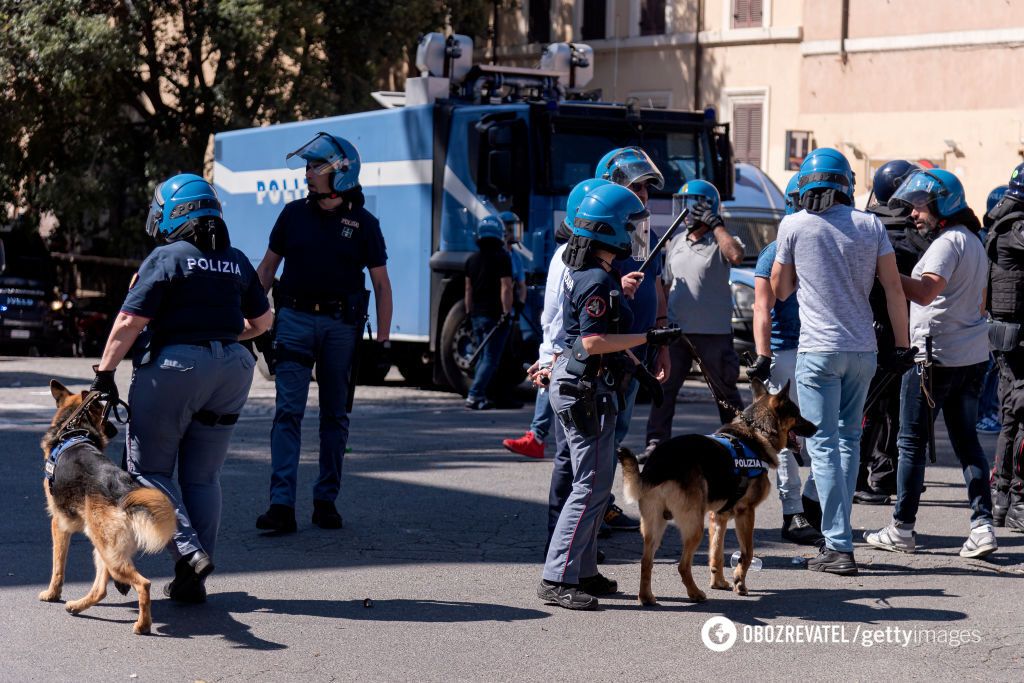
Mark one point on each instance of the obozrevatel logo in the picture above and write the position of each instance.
(718, 634)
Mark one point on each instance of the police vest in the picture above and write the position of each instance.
(746, 466)
(1006, 282)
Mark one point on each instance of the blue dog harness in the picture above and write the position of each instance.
(80, 437)
(746, 465)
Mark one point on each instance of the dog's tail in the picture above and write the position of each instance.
(630, 475)
(152, 518)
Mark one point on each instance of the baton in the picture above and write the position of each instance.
(487, 338)
(928, 397)
(665, 238)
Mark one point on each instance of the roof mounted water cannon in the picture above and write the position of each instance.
(450, 57)
(574, 63)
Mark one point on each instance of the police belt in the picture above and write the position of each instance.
(314, 306)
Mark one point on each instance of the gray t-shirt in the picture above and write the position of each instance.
(835, 254)
(699, 298)
(954, 319)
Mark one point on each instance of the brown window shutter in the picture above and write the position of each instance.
(746, 13)
(746, 127)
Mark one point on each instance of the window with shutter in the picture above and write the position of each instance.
(593, 24)
(539, 29)
(747, 118)
(747, 13)
(652, 17)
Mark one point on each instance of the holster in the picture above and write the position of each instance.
(580, 363)
(1004, 336)
(588, 407)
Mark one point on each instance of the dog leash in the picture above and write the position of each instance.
(716, 390)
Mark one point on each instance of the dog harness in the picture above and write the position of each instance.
(78, 437)
(746, 466)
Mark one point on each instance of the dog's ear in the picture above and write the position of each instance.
(757, 386)
(58, 391)
(782, 395)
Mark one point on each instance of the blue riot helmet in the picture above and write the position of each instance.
(490, 227)
(937, 188)
(614, 217)
(826, 169)
(696, 192)
(328, 154)
(180, 204)
(889, 177)
(1015, 188)
(631, 165)
(581, 190)
(995, 196)
(793, 194)
(513, 227)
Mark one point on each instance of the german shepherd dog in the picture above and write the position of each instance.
(688, 476)
(92, 495)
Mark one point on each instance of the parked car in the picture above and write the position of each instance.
(753, 215)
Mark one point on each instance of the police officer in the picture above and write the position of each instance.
(326, 240)
(776, 333)
(192, 300)
(1005, 249)
(876, 475)
(584, 382)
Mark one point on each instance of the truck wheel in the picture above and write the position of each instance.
(457, 345)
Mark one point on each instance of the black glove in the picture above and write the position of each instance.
(761, 369)
(898, 360)
(518, 306)
(651, 384)
(663, 336)
(710, 218)
(104, 383)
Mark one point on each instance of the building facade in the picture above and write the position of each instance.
(935, 81)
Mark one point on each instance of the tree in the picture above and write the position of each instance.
(105, 99)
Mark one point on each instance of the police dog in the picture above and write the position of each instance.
(688, 476)
(92, 495)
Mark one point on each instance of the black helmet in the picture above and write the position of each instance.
(889, 177)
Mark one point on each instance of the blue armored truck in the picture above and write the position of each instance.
(464, 141)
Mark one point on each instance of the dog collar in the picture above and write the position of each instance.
(75, 438)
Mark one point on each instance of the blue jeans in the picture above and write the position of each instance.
(787, 477)
(832, 388)
(955, 392)
(542, 415)
(305, 339)
(490, 357)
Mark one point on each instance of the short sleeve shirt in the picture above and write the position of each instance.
(835, 254)
(485, 269)
(697, 274)
(954, 319)
(589, 310)
(785, 314)
(325, 252)
(195, 296)
(518, 269)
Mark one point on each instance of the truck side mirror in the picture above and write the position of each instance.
(3, 258)
(499, 171)
(502, 149)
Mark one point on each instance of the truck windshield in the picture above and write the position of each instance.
(680, 156)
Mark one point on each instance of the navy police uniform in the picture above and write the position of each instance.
(191, 377)
(321, 303)
(588, 310)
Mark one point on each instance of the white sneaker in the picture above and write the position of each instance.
(891, 538)
(980, 543)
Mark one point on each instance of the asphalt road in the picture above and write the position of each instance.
(444, 532)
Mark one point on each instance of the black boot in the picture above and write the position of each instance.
(812, 512)
(1000, 506)
(796, 529)
(1015, 514)
(189, 583)
(325, 515)
(870, 497)
(279, 519)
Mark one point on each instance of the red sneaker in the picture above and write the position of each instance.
(527, 445)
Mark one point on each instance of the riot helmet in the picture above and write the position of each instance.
(327, 154)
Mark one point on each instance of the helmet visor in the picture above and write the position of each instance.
(322, 154)
(918, 190)
(156, 212)
(632, 165)
(639, 228)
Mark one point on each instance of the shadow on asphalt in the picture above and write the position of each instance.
(36, 379)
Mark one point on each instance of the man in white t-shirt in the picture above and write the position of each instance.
(947, 305)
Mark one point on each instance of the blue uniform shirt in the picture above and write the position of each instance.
(325, 252)
(587, 311)
(518, 269)
(195, 296)
(645, 304)
(785, 314)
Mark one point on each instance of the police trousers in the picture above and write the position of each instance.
(572, 552)
(304, 340)
(166, 395)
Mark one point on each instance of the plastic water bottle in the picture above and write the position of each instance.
(755, 564)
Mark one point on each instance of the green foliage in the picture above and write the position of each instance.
(102, 100)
